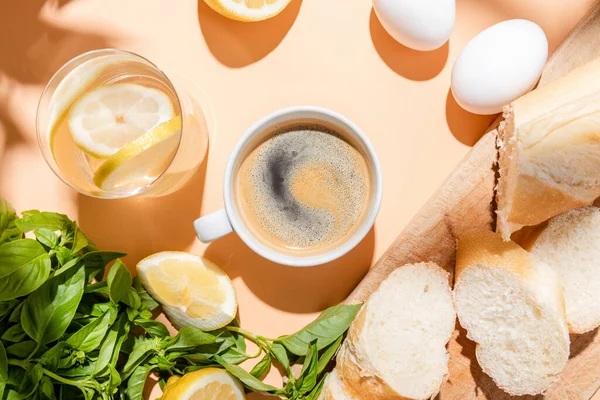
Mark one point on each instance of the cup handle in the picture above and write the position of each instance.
(213, 226)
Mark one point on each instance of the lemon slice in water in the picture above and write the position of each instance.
(248, 10)
(205, 384)
(192, 290)
(140, 162)
(104, 120)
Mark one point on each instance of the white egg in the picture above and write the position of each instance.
(499, 65)
(418, 24)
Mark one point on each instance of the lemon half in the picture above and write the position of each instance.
(248, 10)
(192, 290)
(205, 384)
(107, 118)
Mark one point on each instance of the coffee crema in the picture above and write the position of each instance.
(303, 190)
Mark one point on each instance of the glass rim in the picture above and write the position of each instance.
(58, 173)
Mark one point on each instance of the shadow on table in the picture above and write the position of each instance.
(142, 226)
(466, 127)
(411, 64)
(32, 50)
(294, 289)
(237, 44)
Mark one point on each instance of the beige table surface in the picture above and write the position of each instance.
(331, 53)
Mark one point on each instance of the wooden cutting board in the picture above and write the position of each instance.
(465, 202)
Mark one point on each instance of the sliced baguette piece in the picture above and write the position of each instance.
(550, 150)
(396, 347)
(570, 243)
(334, 388)
(513, 308)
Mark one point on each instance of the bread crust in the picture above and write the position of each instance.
(359, 377)
(546, 169)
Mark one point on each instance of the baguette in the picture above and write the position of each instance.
(512, 306)
(570, 243)
(396, 347)
(549, 143)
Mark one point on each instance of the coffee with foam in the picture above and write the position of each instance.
(303, 190)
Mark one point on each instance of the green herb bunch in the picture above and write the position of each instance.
(65, 333)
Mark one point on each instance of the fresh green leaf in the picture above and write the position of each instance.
(46, 389)
(280, 354)
(22, 349)
(49, 310)
(131, 298)
(328, 354)
(248, 380)
(14, 334)
(50, 360)
(15, 316)
(8, 227)
(3, 359)
(143, 348)
(111, 345)
(147, 300)
(32, 379)
(119, 281)
(7, 307)
(189, 338)
(64, 256)
(262, 368)
(136, 382)
(76, 261)
(90, 336)
(98, 287)
(308, 376)
(314, 395)
(326, 329)
(154, 328)
(234, 356)
(80, 241)
(46, 237)
(33, 220)
(24, 266)
(96, 261)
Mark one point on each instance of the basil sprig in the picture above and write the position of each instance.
(67, 334)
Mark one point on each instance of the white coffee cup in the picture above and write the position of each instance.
(220, 223)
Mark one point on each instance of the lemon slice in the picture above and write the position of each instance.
(141, 161)
(248, 10)
(205, 384)
(192, 290)
(107, 118)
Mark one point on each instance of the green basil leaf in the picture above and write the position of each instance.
(3, 360)
(32, 379)
(262, 368)
(15, 316)
(22, 349)
(189, 338)
(33, 220)
(99, 309)
(24, 266)
(14, 334)
(234, 356)
(314, 395)
(308, 377)
(46, 237)
(111, 345)
(248, 380)
(63, 255)
(80, 241)
(8, 226)
(7, 307)
(329, 326)
(46, 389)
(147, 300)
(280, 354)
(49, 310)
(143, 348)
(119, 281)
(328, 354)
(68, 265)
(136, 382)
(154, 328)
(90, 336)
(79, 371)
(51, 358)
(194, 358)
(96, 261)
(131, 298)
(99, 287)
